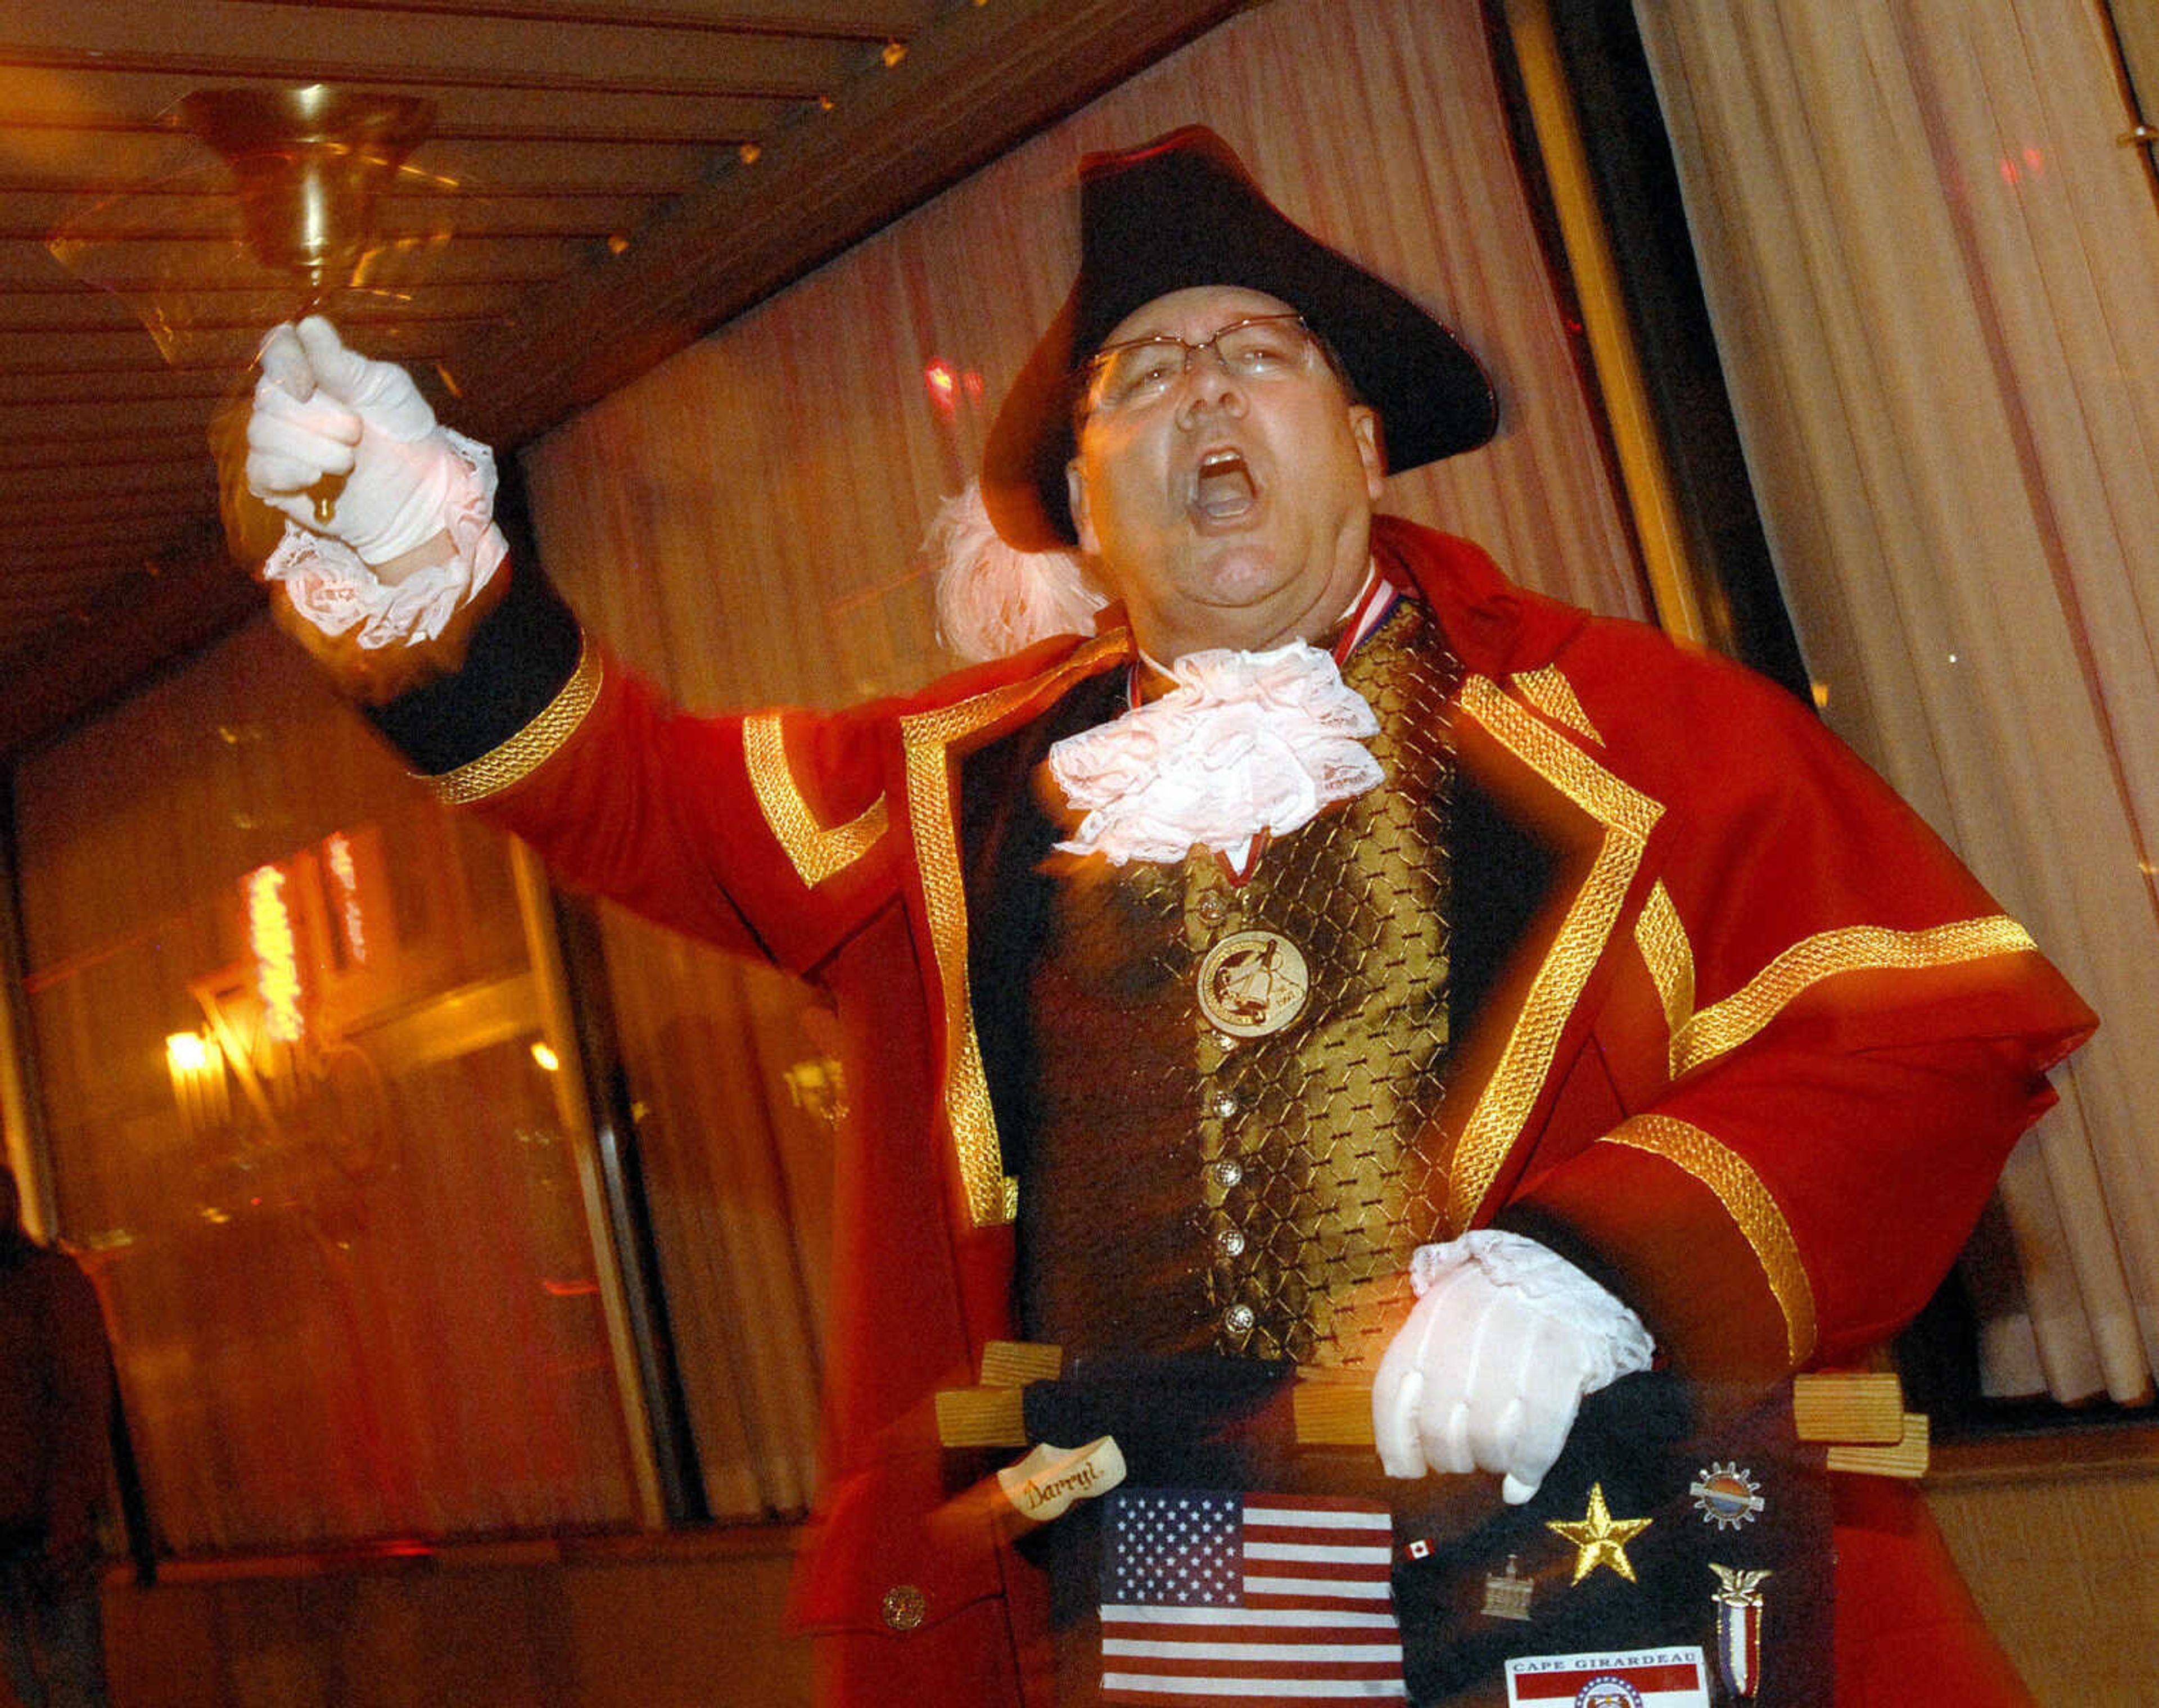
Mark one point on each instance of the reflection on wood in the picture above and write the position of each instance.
(351, 1288)
(460, 1022)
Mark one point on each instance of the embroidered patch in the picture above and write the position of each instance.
(1634, 1677)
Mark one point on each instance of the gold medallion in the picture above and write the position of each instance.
(1253, 983)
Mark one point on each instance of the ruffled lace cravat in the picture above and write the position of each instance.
(1246, 743)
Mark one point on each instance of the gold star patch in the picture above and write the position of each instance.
(1598, 1538)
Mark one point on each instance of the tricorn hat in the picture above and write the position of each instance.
(1181, 211)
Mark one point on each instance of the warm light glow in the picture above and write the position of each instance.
(197, 1067)
(276, 955)
(548, 1060)
(894, 52)
(347, 877)
(750, 153)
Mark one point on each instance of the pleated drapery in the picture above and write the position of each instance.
(1930, 262)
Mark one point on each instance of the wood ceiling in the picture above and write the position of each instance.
(602, 182)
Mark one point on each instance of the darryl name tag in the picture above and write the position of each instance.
(1043, 1485)
(1627, 1678)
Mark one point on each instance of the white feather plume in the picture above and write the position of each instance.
(994, 599)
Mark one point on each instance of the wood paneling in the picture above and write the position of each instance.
(582, 207)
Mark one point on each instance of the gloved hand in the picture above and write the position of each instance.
(323, 411)
(1490, 1369)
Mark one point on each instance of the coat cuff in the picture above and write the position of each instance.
(527, 680)
(1675, 1225)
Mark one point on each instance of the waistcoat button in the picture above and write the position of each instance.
(904, 1607)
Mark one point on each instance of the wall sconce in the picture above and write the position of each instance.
(196, 1063)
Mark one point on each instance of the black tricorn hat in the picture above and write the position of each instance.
(1181, 211)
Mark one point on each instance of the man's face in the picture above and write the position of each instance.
(1227, 511)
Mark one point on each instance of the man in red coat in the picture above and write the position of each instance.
(1343, 961)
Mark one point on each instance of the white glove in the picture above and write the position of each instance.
(1506, 1338)
(322, 411)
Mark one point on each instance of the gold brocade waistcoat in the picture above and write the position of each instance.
(1193, 1189)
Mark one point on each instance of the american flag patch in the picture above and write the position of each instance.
(1250, 1599)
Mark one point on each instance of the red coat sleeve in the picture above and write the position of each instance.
(1837, 1035)
(765, 833)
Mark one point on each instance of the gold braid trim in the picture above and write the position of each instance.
(1560, 762)
(992, 1196)
(517, 759)
(1662, 938)
(1628, 815)
(1726, 1025)
(815, 852)
(1747, 1201)
(1550, 692)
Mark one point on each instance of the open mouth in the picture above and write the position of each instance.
(1222, 488)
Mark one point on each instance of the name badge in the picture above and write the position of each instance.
(1629, 1678)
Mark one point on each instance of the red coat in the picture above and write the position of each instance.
(1764, 1057)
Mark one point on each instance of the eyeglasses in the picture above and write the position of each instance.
(1127, 375)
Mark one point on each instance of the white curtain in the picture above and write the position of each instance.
(1934, 272)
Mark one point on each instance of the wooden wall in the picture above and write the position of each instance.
(695, 1624)
(2065, 1564)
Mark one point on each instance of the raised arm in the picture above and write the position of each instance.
(389, 569)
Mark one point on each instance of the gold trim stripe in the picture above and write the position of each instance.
(992, 1197)
(1747, 1201)
(1548, 690)
(1628, 815)
(1560, 762)
(517, 759)
(1661, 936)
(816, 852)
(1726, 1025)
